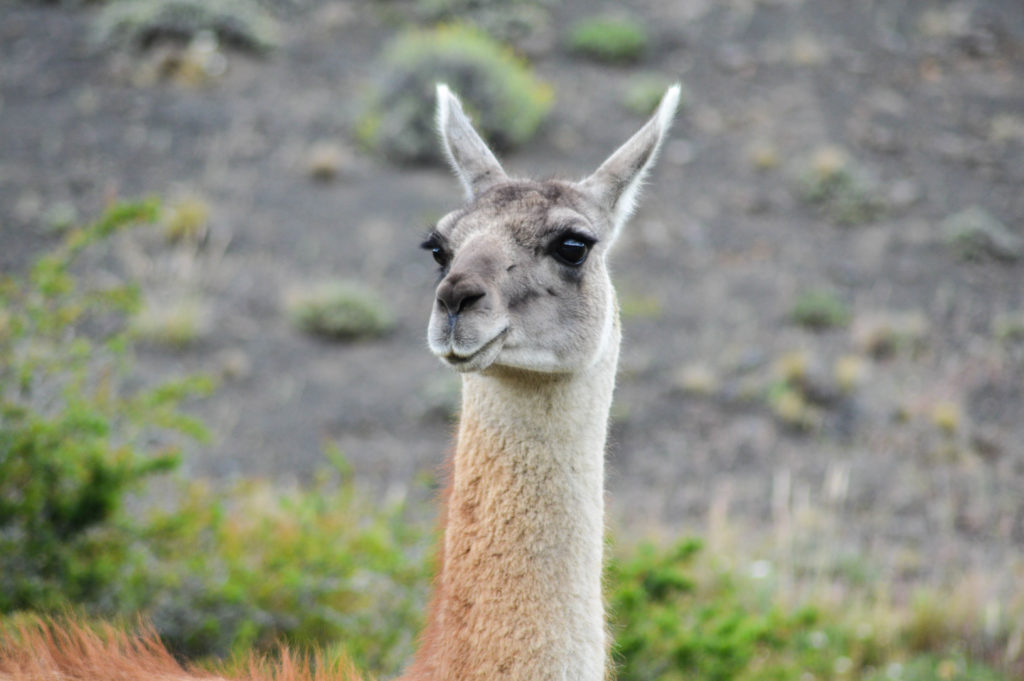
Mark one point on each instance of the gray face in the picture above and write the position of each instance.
(524, 283)
(523, 280)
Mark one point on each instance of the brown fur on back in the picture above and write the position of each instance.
(69, 650)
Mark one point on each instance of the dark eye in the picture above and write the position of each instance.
(433, 244)
(440, 257)
(571, 250)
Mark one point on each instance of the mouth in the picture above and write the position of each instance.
(457, 360)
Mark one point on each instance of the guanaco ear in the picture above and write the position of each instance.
(616, 184)
(468, 154)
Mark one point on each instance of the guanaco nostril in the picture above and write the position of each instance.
(458, 299)
(470, 300)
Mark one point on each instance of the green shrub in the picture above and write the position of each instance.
(975, 234)
(341, 310)
(614, 40)
(669, 626)
(187, 220)
(319, 566)
(819, 309)
(507, 103)
(74, 441)
(523, 24)
(675, 616)
(176, 324)
(141, 23)
(218, 573)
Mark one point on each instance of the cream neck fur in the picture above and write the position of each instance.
(519, 592)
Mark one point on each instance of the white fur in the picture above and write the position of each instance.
(618, 171)
(665, 114)
(468, 155)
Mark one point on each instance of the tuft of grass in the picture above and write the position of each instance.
(764, 155)
(792, 410)
(139, 24)
(697, 379)
(801, 391)
(947, 417)
(849, 372)
(498, 89)
(806, 50)
(885, 334)
(324, 161)
(341, 310)
(819, 309)
(617, 40)
(840, 188)
(793, 366)
(176, 324)
(187, 220)
(60, 217)
(975, 234)
(1008, 327)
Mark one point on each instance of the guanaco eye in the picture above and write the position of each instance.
(571, 250)
(433, 245)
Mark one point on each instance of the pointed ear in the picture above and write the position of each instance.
(616, 184)
(468, 154)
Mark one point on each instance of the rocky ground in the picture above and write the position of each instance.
(879, 434)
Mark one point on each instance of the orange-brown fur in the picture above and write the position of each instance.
(66, 649)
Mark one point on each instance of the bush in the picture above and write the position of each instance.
(523, 24)
(667, 626)
(318, 566)
(142, 23)
(74, 441)
(341, 310)
(975, 234)
(187, 221)
(505, 100)
(217, 572)
(176, 324)
(674, 616)
(609, 39)
(820, 309)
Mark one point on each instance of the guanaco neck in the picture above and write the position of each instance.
(518, 595)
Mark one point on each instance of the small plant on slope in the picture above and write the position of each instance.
(141, 23)
(611, 40)
(506, 101)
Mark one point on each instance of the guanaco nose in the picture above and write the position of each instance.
(459, 294)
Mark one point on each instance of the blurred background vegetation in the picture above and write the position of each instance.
(825, 388)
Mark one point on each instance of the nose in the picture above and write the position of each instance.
(459, 294)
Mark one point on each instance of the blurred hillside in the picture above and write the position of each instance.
(823, 290)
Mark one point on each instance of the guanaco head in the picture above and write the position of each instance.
(524, 282)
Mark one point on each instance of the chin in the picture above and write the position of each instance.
(536, 361)
(469, 360)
